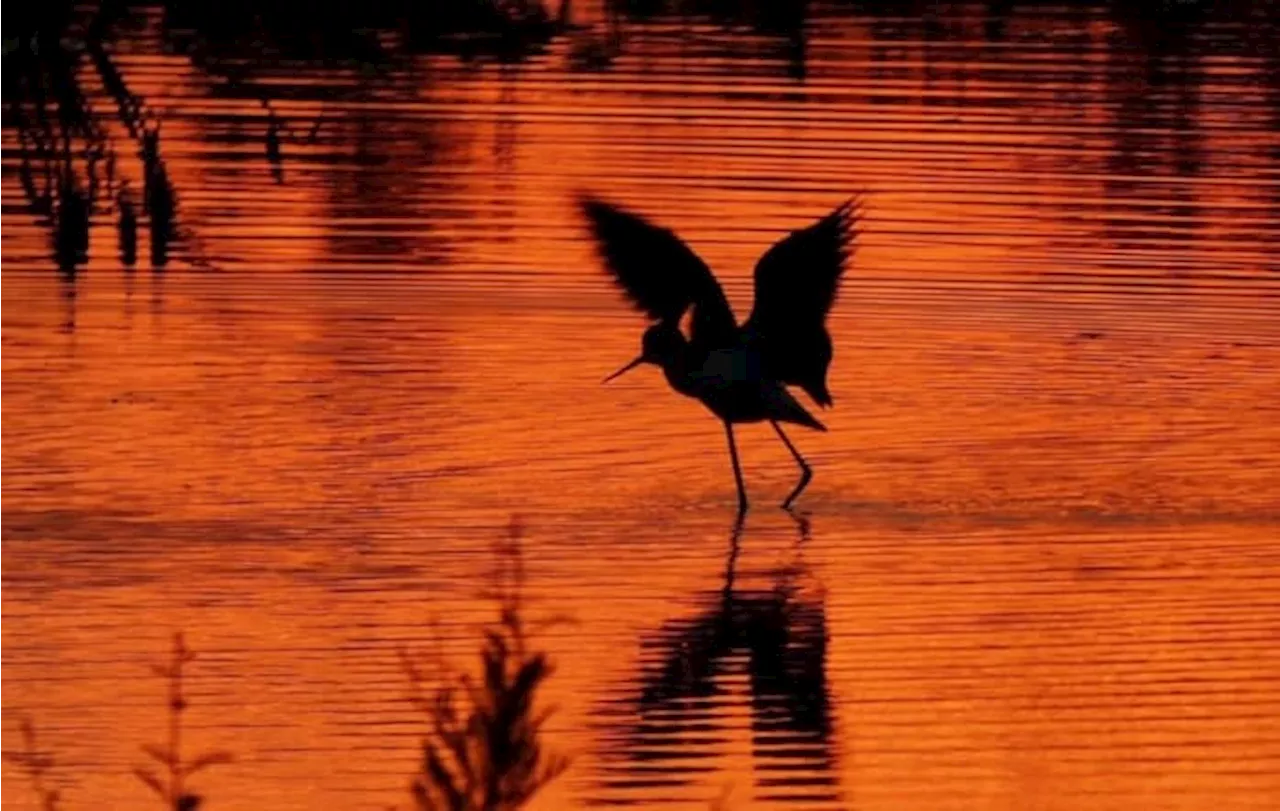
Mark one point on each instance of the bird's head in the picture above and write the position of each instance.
(661, 342)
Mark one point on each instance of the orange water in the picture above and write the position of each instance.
(1039, 566)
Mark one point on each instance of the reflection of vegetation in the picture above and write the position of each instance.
(482, 749)
(780, 17)
(59, 150)
(68, 157)
(288, 29)
(238, 39)
(72, 151)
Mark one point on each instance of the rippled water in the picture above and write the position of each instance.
(1039, 563)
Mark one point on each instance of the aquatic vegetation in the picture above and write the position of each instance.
(482, 749)
(171, 783)
(37, 766)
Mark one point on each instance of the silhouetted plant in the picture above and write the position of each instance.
(37, 766)
(482, 750)
(171, 784)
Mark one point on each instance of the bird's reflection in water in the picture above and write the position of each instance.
(768, 643)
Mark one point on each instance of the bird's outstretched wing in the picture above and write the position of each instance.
(796, 284)
(661, 275)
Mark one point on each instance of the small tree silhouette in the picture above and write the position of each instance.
(482, 750)
(171, 784)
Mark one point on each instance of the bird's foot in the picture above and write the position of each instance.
(806, 476)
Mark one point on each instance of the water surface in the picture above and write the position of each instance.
(1037, 565)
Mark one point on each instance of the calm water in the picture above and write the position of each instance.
(1039, 566)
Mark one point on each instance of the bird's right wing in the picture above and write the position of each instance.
(659, 273)
(796, 279)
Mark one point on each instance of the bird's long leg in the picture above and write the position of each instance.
(737, 470)
(735, 535)
(805, 472)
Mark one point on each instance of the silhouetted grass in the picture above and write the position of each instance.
(171, 783)
(482, 748)
(37, 766)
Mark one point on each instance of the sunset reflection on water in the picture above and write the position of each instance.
(1038, 556)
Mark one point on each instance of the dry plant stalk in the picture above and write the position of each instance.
(37, 765)
(170, 786)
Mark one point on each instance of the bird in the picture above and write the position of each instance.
(740, 372)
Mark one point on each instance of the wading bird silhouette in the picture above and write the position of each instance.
(739, 372)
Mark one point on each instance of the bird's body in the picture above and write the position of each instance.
(808, 356)
(739, 372)
(731, 383)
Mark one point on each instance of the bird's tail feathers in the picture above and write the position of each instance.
(820, 393)
(788, 409)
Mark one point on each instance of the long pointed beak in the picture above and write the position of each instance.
(633, 364)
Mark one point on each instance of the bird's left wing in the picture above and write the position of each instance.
(797, 279)
(796, 284)
(661, 275)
